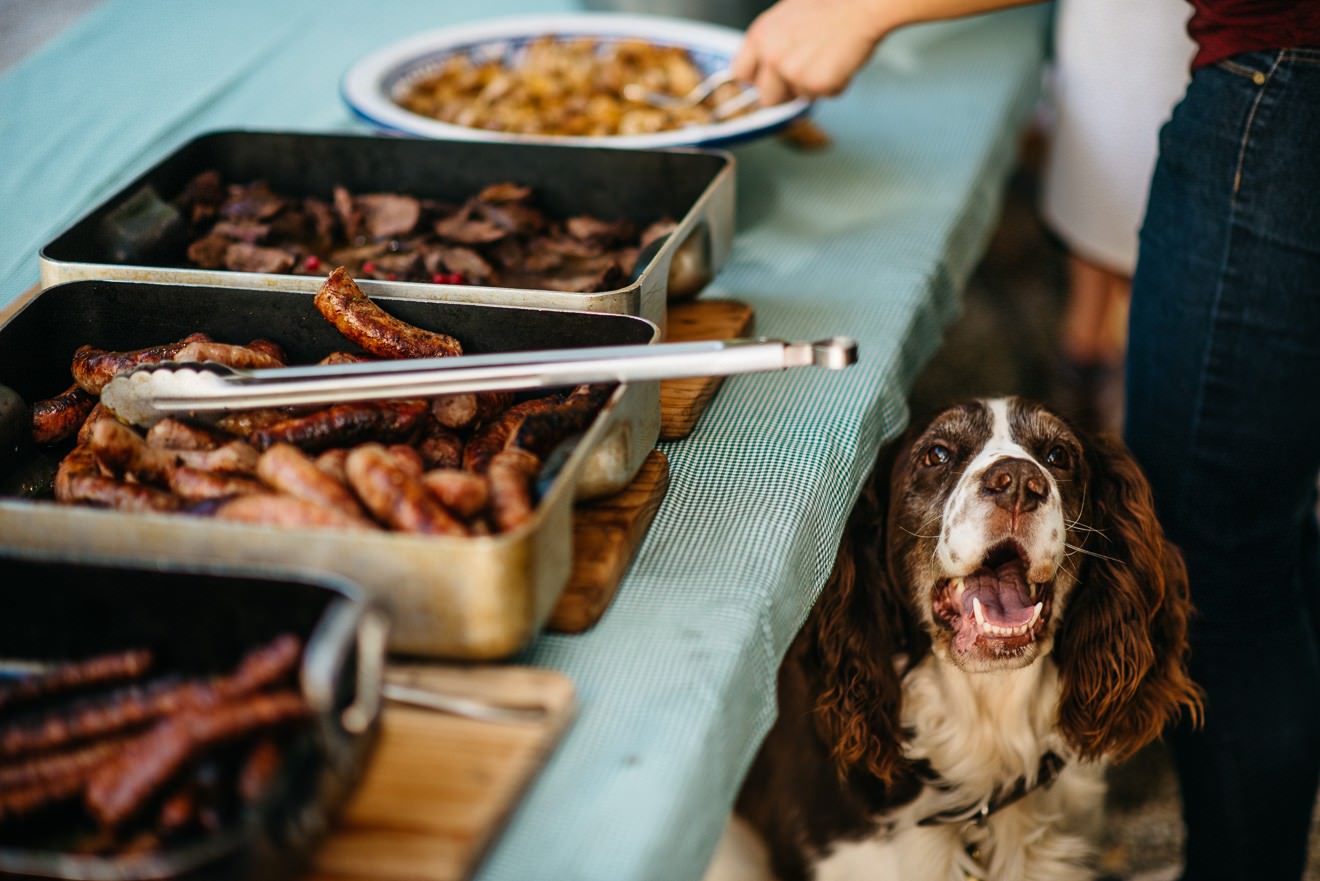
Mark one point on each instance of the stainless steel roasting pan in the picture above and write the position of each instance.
(199, 621)
(694, 188)
(481, 597)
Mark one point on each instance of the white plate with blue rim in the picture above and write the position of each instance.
(374, 86)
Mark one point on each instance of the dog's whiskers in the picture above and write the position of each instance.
(1077, 522)
(1073, 572)
(1099, 556)
(930, 520)
(1079, 526)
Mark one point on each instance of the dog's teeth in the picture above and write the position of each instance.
(958, 590)
(989, 629)
(1032, 588)
(980, 615)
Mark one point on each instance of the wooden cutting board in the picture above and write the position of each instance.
(682, 401)
(607, 532)
(439, 788)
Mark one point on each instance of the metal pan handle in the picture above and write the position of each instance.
(347, 625)
(690, 269)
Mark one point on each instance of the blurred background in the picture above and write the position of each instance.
(1005, 339)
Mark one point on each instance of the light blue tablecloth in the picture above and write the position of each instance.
(874, 237)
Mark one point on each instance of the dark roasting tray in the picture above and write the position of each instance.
(694, 188)
(462, 597)
(199, 621)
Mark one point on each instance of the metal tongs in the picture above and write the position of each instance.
(148, 394)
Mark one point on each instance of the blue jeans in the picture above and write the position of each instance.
(1224, 414)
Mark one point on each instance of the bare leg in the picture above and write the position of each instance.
(1092, 342)
(1093, 329)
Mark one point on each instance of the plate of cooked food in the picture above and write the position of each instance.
(604, 79)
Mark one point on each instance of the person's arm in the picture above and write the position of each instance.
(812, 48)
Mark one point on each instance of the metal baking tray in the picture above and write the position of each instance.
(480, 597)
(198, 621)
(694, 187)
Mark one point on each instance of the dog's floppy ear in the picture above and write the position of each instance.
(858, 625)
(1122, 646)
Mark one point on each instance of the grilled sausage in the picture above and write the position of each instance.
(61, 750)
(455, 411)
(259, 770)
(510, 474)
(230, 355)
(133, 498)
(287, 469)
(493, 438)
(407, 458)
(94, 368)
(195, 484)
(234, 457)
(345, 358)
(67, 676)
(27, 799)
(462, 492)
(244, 422)
(331, 462)
(373, 329)
(79, 465)
(80, 478)
(440, 448)
(123, 450)
(99, 412)
(263, 666)
(544, 429)
(134, 705)
(120, 788)
(112, 713)
(344, 425)
(59, 418)
(51, 767)
(396, 497)
(269, 347)
(175, 434)
(463, 410)
(270, 509)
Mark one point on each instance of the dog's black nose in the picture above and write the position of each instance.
(1015, 485)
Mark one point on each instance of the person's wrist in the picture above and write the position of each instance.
(882, 16)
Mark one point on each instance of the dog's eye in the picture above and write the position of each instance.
(936, 455)
(1059, 457)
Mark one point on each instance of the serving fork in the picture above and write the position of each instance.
(698, 93)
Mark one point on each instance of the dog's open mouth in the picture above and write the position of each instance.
(994, 608)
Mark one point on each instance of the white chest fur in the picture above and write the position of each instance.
(982, 731)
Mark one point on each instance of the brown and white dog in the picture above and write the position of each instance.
(1004, 616)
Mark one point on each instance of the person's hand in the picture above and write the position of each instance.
(809, 48)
